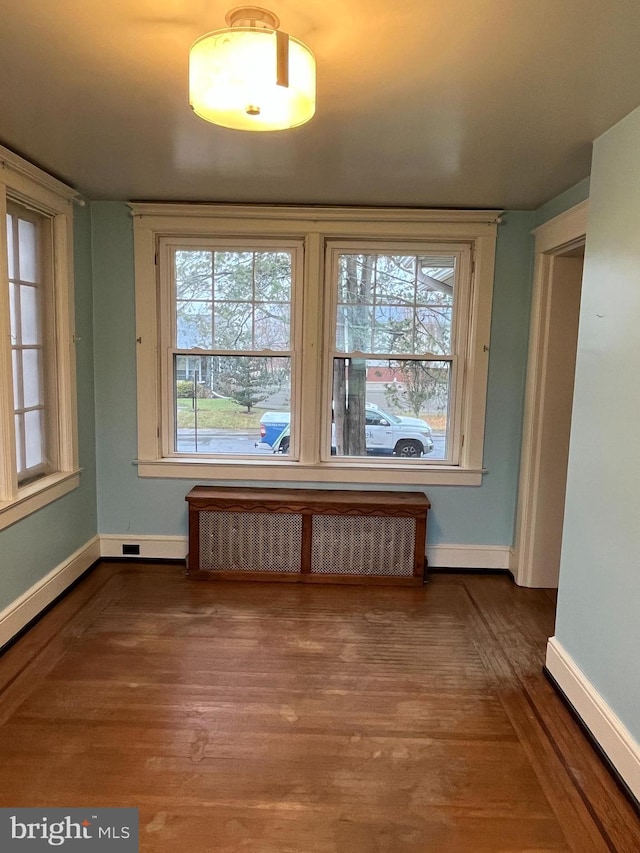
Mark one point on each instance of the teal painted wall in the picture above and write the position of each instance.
(34, 546)
(597, 619)
(569, 198)
(461, 515)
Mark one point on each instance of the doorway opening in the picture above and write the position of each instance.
(549, 397)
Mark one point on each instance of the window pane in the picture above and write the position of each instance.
(435, 276)
(396, 279)
(395, 303)
(193, 275)
(272, 326)
(433, 330)
(29, 315)
(27, 258)
(230, 404)
(13, 318)
(273, 276)
(393, 329)
(17, 379)
(355, 328)
(194, 325)
(19, 443)
(356, 277)
(234, 276)
(32, 387)
(394, 408)
(10, 246)
(34, 438)
(233, 326)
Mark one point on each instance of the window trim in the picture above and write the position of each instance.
(463, 252)
(315, 226)
(29, 187)
(43, 287)
(166, 247)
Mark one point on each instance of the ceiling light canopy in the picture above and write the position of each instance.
(252, 76)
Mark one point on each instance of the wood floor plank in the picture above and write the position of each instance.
(252, 717)
(591, 780)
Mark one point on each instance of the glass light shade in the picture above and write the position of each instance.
(232, 80)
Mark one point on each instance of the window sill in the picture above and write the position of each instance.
(281, 471)
(37, 495)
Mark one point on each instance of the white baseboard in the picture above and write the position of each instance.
(468, 556)
(622, 749)
(151, 547)
(25, 608)
(176, 547)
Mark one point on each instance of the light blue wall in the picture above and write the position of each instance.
(598, 618)
(30, 548)
(461, 515)
(485, 515)
(569, 198)
(125, 501)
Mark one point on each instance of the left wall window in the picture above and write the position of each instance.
(38, 447)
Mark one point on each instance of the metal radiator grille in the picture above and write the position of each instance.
(250, 541)
(363, 545)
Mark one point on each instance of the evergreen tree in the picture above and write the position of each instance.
(249, 380)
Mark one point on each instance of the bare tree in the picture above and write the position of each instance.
(421, 381)
(350, 380)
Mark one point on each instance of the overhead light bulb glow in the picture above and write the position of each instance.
(252, 77)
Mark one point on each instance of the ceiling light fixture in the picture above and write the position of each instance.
(252, 76)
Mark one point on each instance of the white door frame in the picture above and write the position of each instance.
(553, 238)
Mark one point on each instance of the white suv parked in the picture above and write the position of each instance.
(386, 434)
(394, 435)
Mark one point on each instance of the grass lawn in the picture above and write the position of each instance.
(435, 421)
(227, 414)
(217, 414)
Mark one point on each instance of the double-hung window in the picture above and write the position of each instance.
(312, 344)
(397, 316)
(34, 403)
(234, 341)
(38, 461)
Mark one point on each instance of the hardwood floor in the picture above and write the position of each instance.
(277, 718)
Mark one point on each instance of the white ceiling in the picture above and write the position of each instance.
(436, 103)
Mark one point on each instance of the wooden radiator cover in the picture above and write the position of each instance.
(307, 535)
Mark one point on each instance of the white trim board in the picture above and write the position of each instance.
(563, 228)
(616, 741)
(468, 556)
(151, 547)
(551, 239)
(439, 556)
(20, 612)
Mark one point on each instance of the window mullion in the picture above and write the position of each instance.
(309, 315)
(19, 413)
(167, 334)
(214, 331)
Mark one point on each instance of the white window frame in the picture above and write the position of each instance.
(28, 187)
(462, 252)
(317, 227)
(167, 318)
